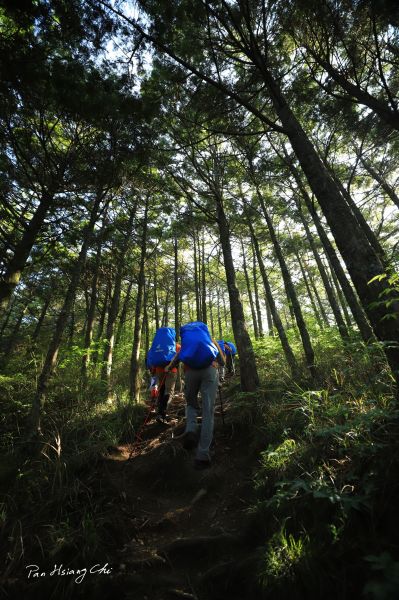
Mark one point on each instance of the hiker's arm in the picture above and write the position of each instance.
(175, 360)
(221, 358)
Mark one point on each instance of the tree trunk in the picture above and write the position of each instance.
(225, 318)
(165, 316)
(211, 317)
(71, 324)
(309, 291)
(269, 319)
(357, 311)
(43, 312)
(251, 300)
(317, 295)
(176, 287)
(138, 321)
(156, 304)
(381, 181)
(52, 353)
(114, 306)
(91, 311)
(341, 298)
(13, 338)
(248, 370)
(122, 318)
(22, 250)
(146, 325)
(288, 353)
(357, 213)
(196, 278)
(329, 290)
(101, 321)
(106, 366)
(203, 281)
(290, 290)
(378, 106)
(219, 314)
(256, 294)
(361, 259)
(7, 318)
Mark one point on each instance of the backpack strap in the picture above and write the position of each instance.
(169, 366)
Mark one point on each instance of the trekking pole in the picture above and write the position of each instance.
(221, 404)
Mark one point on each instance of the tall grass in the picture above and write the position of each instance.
(326, 483)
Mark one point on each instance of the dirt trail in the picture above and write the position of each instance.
(180, 530)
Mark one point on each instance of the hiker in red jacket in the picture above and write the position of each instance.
(166, 386)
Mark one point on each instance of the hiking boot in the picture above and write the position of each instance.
(200, 465)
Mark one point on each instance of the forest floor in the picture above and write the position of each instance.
(180, 531)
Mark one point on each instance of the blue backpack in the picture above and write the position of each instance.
(197, 349)
(163, 347)
(232, 347)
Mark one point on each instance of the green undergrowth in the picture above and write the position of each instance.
(53, 508)
(327, 481)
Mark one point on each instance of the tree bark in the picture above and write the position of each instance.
(176, 287)
(135, 356)
(251, 300)
(196, 278)
(248, 370)
(256, 294)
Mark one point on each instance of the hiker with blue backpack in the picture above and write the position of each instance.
(230, 351)
(162, 351)
(201, 357)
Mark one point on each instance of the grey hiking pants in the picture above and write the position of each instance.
(205, 381)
